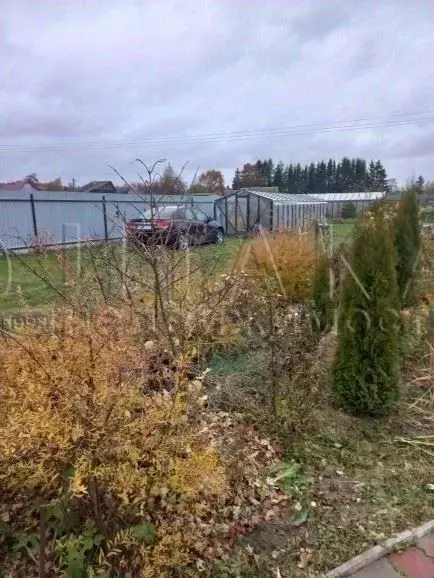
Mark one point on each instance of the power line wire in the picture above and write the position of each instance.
(249, 131)
(296, 126)
(306, 129)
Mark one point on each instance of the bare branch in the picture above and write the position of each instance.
(194, 176)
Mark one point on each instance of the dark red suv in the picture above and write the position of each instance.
(174, 226)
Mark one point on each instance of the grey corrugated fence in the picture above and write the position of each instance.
(52, 218)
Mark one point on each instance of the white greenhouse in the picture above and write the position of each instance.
(244, 210)
(361, 201)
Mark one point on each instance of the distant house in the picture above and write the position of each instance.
(24, 185)
(99, 187)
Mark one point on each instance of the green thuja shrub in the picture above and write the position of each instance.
(408, 245)
(349, 211)
(323, 302)
(366, 369)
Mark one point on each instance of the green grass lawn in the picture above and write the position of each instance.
(21, 280)
(35, 281)
(341, 232)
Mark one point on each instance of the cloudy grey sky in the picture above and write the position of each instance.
(88, 84)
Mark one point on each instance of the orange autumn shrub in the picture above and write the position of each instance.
(286, 258)
(84, 435)
(104, 469)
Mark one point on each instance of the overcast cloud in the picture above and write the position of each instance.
(88, 84)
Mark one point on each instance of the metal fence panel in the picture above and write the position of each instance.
(16, 223)
(62, 217)
(83, 219)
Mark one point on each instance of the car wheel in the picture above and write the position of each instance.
(183, 242)
(219, 237)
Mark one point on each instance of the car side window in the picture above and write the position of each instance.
(190, 215)
(200, 216)
(179, 214)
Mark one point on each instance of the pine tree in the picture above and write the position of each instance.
(408, 246)
(304, 180)
(338, 178)
(259, 165)
(321, 177)
(331, 176)
(360, 176)
(311, 179)
(290, 179)
(236, 183)
(353, 169)
(377, 177)
(298, 179)
(285, 179)
(366, 369)
(380, 177)
(268, 172)
(170, 182)
(278, 177)
(371, 176)
(346, 175)
(419, 185)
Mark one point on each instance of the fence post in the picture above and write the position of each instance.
(32, 205)
(104, 212)
(64, 253)
(124, 263)
(226, 213)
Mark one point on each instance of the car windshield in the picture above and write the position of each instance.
(162, 213)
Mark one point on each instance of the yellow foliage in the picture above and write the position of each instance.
(171, 552)
(289, 259)
(198, 310)
(74, 407)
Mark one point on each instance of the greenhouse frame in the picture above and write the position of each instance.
(245, 210)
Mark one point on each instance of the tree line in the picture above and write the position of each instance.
(346, 175)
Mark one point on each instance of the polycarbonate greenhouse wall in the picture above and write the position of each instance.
(244, 210)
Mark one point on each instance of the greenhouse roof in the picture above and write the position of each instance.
(348, 197)
(284, 197)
